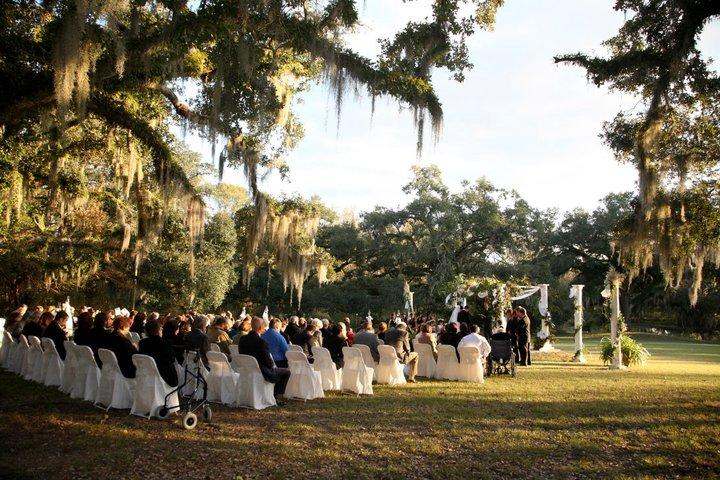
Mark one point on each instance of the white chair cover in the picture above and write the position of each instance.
(214, 347)
(426, 360)
(295, 348)
(447, 364)
(5, 349)
(150, 389)
(17, 355)
(304, 383)
(87, 375)
(471, 367)
(222, 380)
(134, 338)
(114, 390)
(37, 372)
(330, 375)
(381, 342)
(235, 365)
(33, 357)
(357, 377)
(24, 349)
(52, 364)
(368, 358)
(70, 369)
(192, 365)
(390, 370)
(252, 389)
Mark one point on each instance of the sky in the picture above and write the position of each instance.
(518, 119)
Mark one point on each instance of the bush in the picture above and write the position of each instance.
(633, 353)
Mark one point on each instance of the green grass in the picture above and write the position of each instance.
(555, 420)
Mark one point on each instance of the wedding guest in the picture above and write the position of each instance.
(292, 327)
(196, 339)
(253, 344)
(32, 325)
(305, 339)
(218, 334)
(366, 336)
(138, 323)
(56, 332)
(398, 338)
(83, 333)
(171, 336)
(476, 340)
(427, 336)
(350, 332)
(242, 331)
(335, 341)
(382, 330)
(99, 334)
(161, 351)
(523, 334)
(276, 343)
(123, 348)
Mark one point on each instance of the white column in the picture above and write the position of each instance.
(615, 333)
(543, 307)
(499, 299)
(576, 293)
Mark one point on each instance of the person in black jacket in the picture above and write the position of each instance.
(99, 335)
(292, 328)
(171, 336)
(305, 339)
(523, 334)
(335, 341)
(123, 348)
(32, 326)
(253, 344)
(161, 351)
(196, 339)
(83, 332)
(56, 332)
(463, 315)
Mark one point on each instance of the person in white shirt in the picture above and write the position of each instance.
(476, 340)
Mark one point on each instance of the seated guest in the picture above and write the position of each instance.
(196, 339)
(366, 336)
(276, 343)
(123, 348)
(243, 330)
(305, 339)
(382, 330)
(32, 326)
(83, 333)
(56, 332)
(171, 336)
(464, 329)
(398, 338)
(99, 335)
(138, 323)
(335, 341)
(218, 334)
(317, 340)
(475, 339)
(161, 351)
(292, 328)
(350, 332)
(283, 327)
(253, 344)
(427, 336)
(449, 335)
(325, 330)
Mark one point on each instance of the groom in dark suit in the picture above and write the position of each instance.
(254, 345)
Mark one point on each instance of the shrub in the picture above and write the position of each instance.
(633, 353)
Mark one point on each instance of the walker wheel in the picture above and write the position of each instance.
(207, 413)
(162, 412)
(189, 421)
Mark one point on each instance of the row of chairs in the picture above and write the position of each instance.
(447, 367)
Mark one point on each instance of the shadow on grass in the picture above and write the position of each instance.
(428, 430)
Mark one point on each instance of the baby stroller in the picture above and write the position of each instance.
(193, 402)
(502, 357)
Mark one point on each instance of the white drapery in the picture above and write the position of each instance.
(576, 293)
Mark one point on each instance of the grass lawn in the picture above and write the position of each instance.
(555, 420)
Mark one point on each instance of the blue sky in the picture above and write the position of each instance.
(518, 119)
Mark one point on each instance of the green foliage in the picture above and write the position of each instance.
(633, 353)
